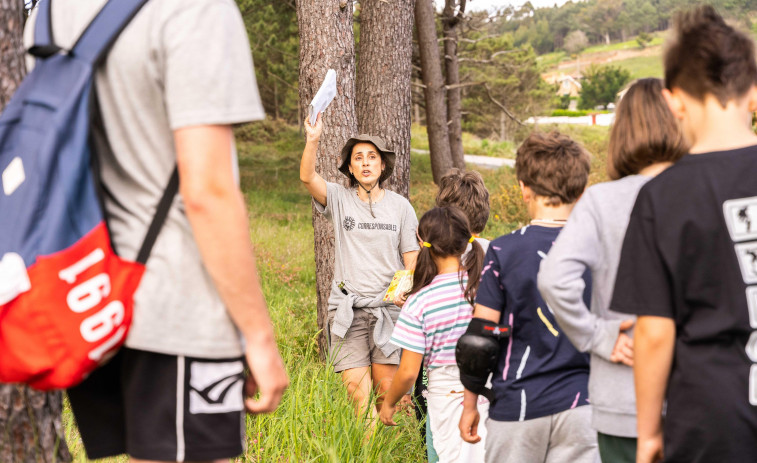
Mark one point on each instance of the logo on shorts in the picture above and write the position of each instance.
(215, 387)
(349, 223)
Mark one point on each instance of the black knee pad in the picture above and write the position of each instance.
(477, 354)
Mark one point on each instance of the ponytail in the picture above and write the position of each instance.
(474, 261)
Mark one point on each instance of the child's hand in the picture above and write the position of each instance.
(399, 299)
(387, 413)
(469, 425)
(406, 404)
(623, 350)
(649, 450)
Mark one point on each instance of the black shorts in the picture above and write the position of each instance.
(162, 407)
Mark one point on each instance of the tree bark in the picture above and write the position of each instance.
(327, 42)
(30, 422)
(383, 80)
(436, 110)
(450, 22)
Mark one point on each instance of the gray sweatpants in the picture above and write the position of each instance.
(560, 438)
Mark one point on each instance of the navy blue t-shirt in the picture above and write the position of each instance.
(539, 372)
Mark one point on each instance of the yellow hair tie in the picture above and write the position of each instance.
(426, 244)
(472, 238)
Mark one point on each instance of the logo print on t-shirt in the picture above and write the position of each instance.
(349, 223)
(747, 254)
(741, 218)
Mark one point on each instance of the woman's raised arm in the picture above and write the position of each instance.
(315, 184)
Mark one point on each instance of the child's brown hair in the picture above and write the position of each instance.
(466, 191)
(645, 131)
(554, 166)
(707, 56)
(445, 232)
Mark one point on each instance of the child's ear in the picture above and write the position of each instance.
(675, 102)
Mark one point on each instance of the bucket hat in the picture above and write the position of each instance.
(387, 156)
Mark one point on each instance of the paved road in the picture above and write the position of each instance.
(486, 162)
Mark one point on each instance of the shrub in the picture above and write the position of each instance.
(601, 85)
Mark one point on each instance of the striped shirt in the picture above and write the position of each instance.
(433, 319)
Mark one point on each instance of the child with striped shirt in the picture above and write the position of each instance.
(436, 314)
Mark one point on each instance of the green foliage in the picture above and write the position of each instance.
(643, 39)
(563, 102)
(272, 30)
(601, 85)
(510, 72)
(603, 21)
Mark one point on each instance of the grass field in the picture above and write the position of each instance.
(315, 422)
(628, 55)
(642, 66)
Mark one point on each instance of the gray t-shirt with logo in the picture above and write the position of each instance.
(179, 63)
(368, 250)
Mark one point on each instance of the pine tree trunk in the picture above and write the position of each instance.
(383, 80)
(327, 42)
(30, 423)
(436, 110)
(450, 22)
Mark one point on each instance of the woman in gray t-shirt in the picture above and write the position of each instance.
(374, 236)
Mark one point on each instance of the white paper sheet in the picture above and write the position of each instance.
(324, 96)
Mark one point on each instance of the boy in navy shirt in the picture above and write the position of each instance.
(540, 385)
(687, 267)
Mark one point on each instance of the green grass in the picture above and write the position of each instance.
(315, 421)
(642, 66)
(657, 39)
(471, 144)
(551, 60)
(647, 67)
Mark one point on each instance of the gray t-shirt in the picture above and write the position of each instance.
(179, 63)
(368, 250)
(592, 239)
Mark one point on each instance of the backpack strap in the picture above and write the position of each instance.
(97, 38)
(44, 45)
(160, 217)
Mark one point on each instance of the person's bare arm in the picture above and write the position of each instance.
(407, 373)
(470, 417)
(217, 214)
(409, 258)
(315, 184)
(654, 345)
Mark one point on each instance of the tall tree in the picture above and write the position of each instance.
(451, 17)
(327, 42)
(383, 79)
(30, 423)
(431, 70)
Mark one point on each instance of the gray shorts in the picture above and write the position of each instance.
(357, 348)
(563, 437)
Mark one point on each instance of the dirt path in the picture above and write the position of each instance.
(486, 162)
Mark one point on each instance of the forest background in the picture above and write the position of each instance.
(511, 64)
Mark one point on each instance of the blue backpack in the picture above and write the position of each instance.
(66, 298)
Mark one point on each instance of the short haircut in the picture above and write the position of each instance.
(707, 56)
(645, 131)
(466, 191)
(554, 166)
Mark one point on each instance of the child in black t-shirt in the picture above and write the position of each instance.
(686, 267)
(540, 384)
